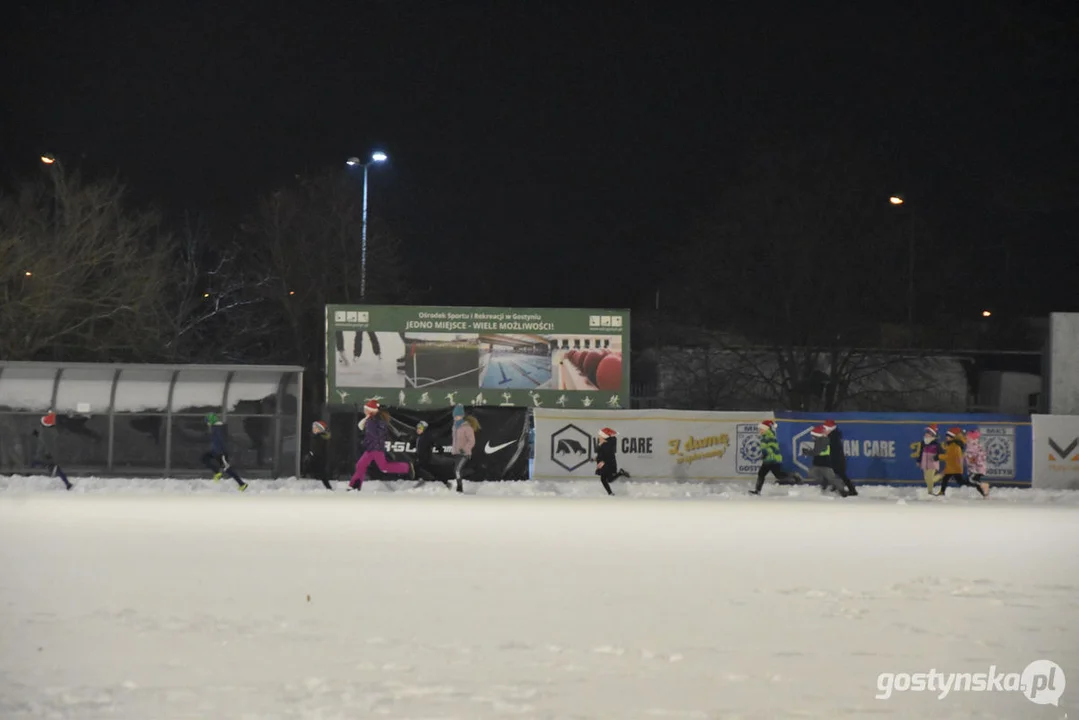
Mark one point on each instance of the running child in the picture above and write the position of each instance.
(771, 457)
(821, 471)
(425, 447)
(839, 455)
(928, 455)
(607, 459)
(953, 449)
(376, 431)
(217, 457)
(317, 460)
(977, 461)
(464, 439)
(44, 448)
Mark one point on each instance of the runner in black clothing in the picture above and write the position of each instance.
(607, 459)
(424, 462)
(838, 456)
(317, 460)
(45, 454)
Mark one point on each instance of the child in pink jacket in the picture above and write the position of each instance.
(464, 439)
(977, 462)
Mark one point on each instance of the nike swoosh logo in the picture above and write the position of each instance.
(495, 448)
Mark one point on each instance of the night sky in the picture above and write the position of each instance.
(554, 153)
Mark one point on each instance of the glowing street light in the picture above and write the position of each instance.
(48, 159)
(376, 157)
(897, 200)
(29, 274)
(986, 313)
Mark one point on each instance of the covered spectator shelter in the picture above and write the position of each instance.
(149, 420)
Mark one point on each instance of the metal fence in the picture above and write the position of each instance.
(149, 420)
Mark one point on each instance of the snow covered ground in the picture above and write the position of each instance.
(149, 599)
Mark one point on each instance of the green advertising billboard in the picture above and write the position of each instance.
(417, 357)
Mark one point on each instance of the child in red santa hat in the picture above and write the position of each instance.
(376, 431)
(607, 459)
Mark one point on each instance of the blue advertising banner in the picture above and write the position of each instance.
(882, 447)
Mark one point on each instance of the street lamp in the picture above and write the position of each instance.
(48, 159)
(899, 200)
(376, 157)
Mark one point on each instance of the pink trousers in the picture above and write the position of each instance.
(379, 458)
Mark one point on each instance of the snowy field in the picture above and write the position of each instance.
(181, 600)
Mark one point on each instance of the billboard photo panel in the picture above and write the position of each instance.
(424, 356)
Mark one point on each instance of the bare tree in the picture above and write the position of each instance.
(305, 241)
(82, 275)
(798, 265)
(217, 307)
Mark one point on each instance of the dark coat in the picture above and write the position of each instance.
(606, 452)
(218, 440)
(425, 445)
(835, 446)
(317, 460)
(44, 447)
(375, 434)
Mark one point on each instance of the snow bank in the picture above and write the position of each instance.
(733, 492)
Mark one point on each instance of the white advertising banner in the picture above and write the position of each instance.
(1056, 452)
(652, 444)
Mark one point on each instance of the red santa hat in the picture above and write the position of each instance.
(830, 425)
(766, 425)
(818, 431)
(931, 429)
(954, 432)
(371, 407)
(49, 419)
(606, 433)
(318, 427)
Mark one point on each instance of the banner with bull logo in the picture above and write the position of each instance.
(652, 444)
(883, 447)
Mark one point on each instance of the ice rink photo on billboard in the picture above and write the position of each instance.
(370, 359)
(441, 360)
(515, 362)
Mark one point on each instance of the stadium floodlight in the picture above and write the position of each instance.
(900, 200)
(376, 157)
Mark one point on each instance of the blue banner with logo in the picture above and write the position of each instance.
(882, 447)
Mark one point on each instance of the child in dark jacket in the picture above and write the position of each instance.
(821, 471)
(607, 459)
(44, 449)
(376, 431)
(217, 458)
(425, 448)
(838, 455)
(317, 460)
